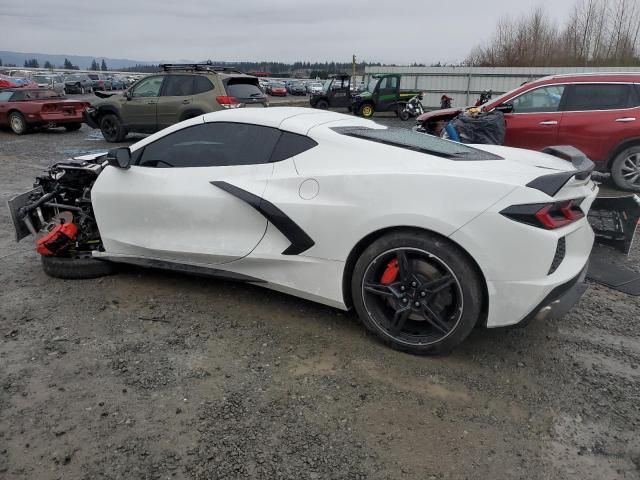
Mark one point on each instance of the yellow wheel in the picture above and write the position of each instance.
(366, 110)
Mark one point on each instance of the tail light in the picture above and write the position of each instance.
(228, 102)
(546, 215)
(49, 108)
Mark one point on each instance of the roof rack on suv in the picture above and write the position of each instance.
(197, 67)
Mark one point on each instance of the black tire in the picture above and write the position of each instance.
(76, 268)
(112, 129)
(72, 127)
(625, 169)
(440, 291)
(322, 105)
(404, 115)
(18, 123)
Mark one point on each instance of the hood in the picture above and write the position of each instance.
(444, 114)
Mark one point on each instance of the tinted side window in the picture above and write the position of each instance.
(201, 84)
(599, 97)
(543, 99)
(177, 86)
(290, 145)
(149, 87)
(213, 144)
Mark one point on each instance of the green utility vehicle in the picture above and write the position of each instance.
(382, 94)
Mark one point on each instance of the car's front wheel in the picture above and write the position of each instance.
(112, 129)
(76, 268)
(416, 291)
(625, 169)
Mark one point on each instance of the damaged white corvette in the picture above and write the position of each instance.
(425, 238)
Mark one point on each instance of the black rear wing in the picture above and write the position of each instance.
(552, 183)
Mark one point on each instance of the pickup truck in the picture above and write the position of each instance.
(382, 94)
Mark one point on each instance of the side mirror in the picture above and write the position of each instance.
(505, 108)
(119, 157)
(127, 94)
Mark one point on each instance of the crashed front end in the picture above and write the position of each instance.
(58, 210)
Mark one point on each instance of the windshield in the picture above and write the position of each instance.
(371, 86)
(277, 84)
(72, 78)
(41, 79)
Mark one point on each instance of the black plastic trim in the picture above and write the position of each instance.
(182, 268)
(300, 241)
(552, 183)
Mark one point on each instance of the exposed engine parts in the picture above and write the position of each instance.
(58, 210)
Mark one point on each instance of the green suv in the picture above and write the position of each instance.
(178, 92)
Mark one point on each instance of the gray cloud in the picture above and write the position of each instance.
(375, 30)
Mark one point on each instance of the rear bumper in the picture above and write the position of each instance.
(560, 300)
(53, 119)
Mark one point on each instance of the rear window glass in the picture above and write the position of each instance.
(419, 142)
(599, 97)
(243, 88)
(4, 96)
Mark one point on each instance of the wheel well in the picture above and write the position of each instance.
(107, 109)
(14, 110)
(190, 114)
(615, 151)
(362, 245)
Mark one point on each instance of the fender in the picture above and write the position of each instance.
(626, 143)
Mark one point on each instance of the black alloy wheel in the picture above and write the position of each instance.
(417, 293)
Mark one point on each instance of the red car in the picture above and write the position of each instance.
(596, 113)
(277, 90)
(22, 109)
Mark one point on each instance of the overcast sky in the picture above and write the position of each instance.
(391, 31)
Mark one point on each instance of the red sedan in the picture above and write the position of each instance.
(277, 90)
(597, 113)
(23, 109)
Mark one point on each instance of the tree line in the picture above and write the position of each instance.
(597, 33)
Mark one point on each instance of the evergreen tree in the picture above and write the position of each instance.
(94, 65)
(103, 67)
(67, 64)
(47, 64)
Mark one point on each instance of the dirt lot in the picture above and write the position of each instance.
(147, 375)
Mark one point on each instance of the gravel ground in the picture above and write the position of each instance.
(148, 375)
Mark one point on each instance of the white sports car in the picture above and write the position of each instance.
(424, 237)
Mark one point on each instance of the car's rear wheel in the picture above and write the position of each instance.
(625, 169)
(72, 127)
(18, 123)
(322, 105)
(417, 292)
(112, 129)
(76, 268)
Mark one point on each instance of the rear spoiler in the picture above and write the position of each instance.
(552, 183)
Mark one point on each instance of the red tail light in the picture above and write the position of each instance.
(49, 108)
(549, 215)
(228, 102)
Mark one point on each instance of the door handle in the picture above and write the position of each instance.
(626, 119)
(186, 102)
(151, 103)
(549, 122)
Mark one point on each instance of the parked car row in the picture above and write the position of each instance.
(66, 83)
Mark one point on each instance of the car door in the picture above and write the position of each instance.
(341, 94)
(534, 121)
(188, 198)
(175, 97)
(388, 90)
(139, 111)
(598, 116)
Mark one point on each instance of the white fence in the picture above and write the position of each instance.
(465, 84)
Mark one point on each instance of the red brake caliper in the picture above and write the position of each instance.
(390, 273)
